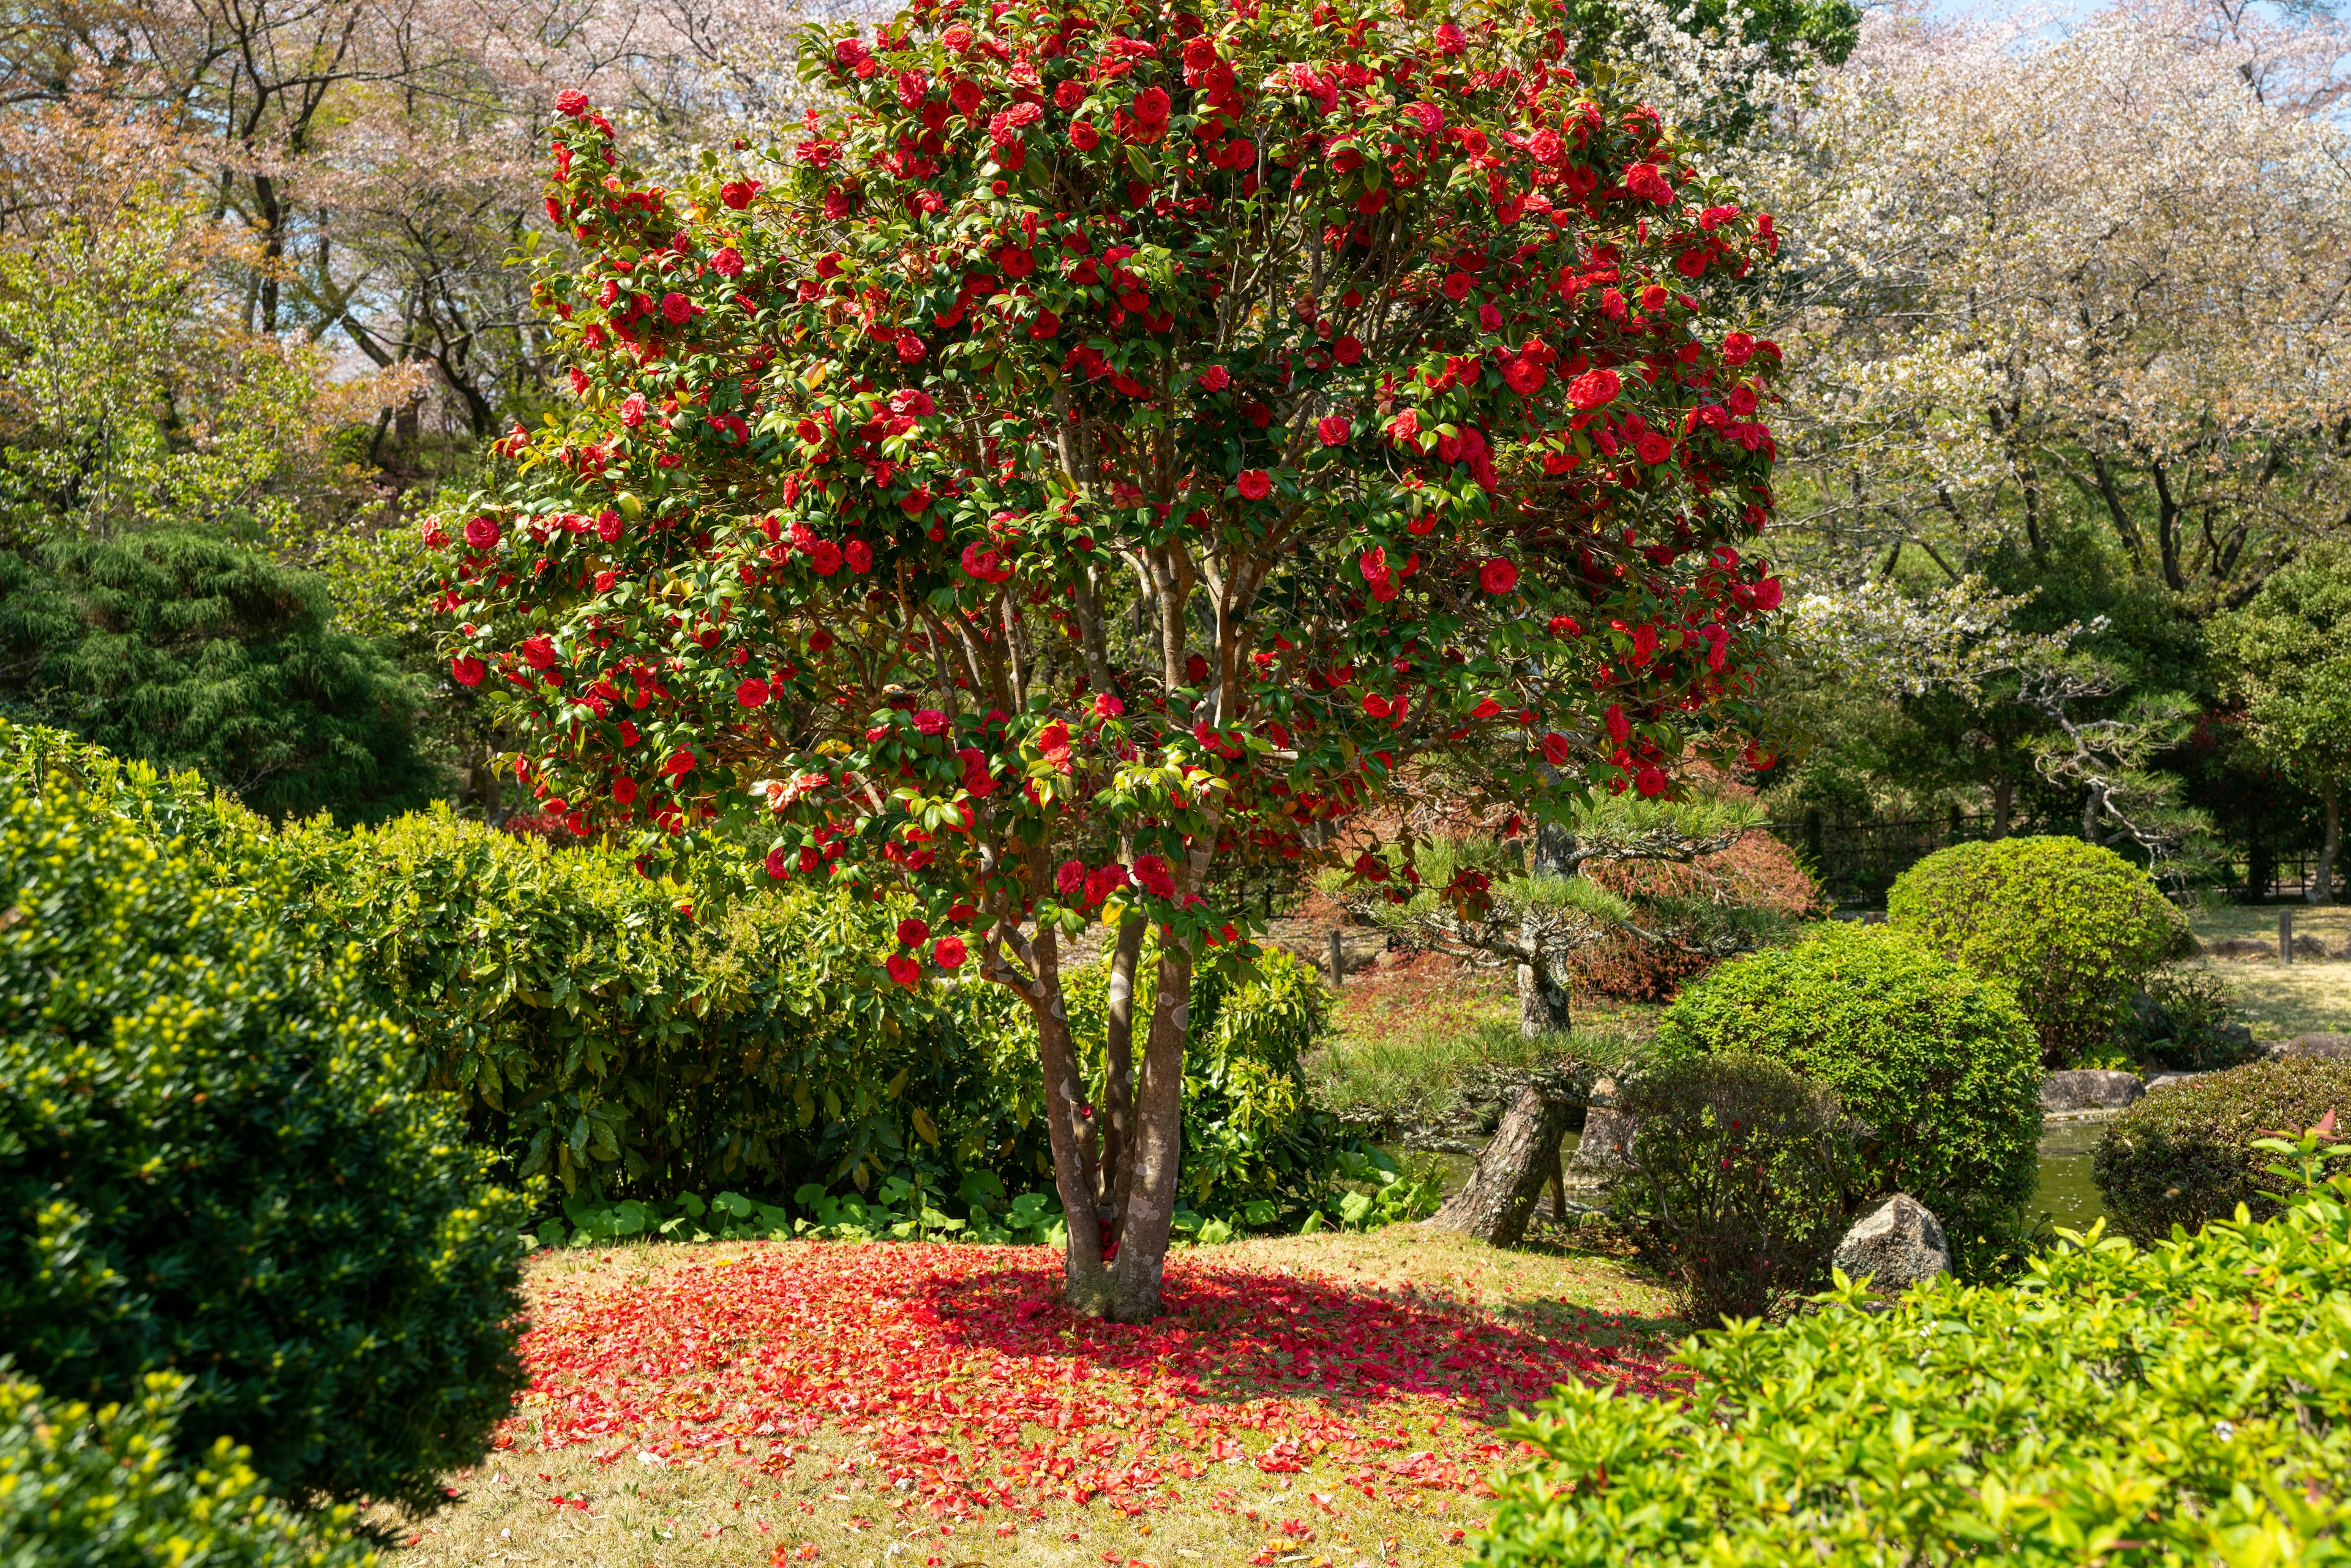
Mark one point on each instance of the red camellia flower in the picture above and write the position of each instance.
(737, 193)
(930, 721)
(751, 692)
(571, 103)
(949, 953)
(1083, 136)
(912, 932)
(726, 262)
(1045, 326)
(625, 790)
(1376, 706)
(910, 348)
(1334, 430)
(1256, 484)
(1151, 104)
(466, 670)
(903, 969)
(1524, 376)
(538, 651)
(1458, 285)
(1649, 781)
(1486, 709)
(677, 308)
(1595, 389)
(1215, 378)
(1450, 40)
(1497, 576)
(1107, 706)
(779, 863)
(1557, 750)
(1654, 448)
(481, 533)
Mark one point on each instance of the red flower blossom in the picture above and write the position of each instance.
(913, 932)
(1256, 484)
(466, 670)
(903, 969)
(1334, 430)
(949, 953)
(1497, 576)
(1595, 389)
(751, 692)
(1083, 136)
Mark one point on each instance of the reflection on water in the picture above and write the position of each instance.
(2064, 1192)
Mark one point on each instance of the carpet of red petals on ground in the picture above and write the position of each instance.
(978, 1390)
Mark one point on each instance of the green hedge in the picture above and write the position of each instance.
(2075, 928)
(655, 1042)
(2186, 1405)
(2184, 1156)
(210, 1163)
(83, 1488)
(1936, 1061)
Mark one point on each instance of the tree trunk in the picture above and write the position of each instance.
(1500, 1195)
(2003, 807)
(1543, 1000)
(1086, 1285)
(1118, 1070)
(2322, 887)
(1154, 1160)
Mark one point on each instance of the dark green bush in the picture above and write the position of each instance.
(209, 1165)
(2190, 1405)
(193, 651)
(2184, 1156)
(105, 1488)
(1734, 1187)
(1934, 1060)
(2075, 928)
(2180, 1021)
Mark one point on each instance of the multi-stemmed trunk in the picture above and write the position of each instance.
(2321, 885)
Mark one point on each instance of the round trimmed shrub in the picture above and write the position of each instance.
(209, 1165)
(1935, 1060)
(2075, 928)
(104, 1489)
(2185, 1156)
(1733, 1185)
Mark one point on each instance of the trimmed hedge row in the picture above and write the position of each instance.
(2191, 1404)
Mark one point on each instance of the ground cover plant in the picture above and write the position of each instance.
(1993, 1424)
(1109, 454)
(1333, 1396)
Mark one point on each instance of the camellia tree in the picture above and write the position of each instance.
(1123, 446)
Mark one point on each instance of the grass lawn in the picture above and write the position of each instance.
(2278, 1001)
(1307, 1400)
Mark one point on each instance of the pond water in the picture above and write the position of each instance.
(2065, 1193)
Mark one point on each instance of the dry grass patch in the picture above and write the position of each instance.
(1324, 1399)
(2278, 1001)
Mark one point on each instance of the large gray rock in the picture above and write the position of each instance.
(2325, 1047)
(1607, 1143)
(2089, 1089)
(1896, 1245)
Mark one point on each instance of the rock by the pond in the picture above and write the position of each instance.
(2242, 947)
(2089, 1089)
(2311, 947)
(2323, 1047)
(1607, 1140)
(1897, 1244)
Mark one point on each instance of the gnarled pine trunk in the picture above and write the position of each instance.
(1502, 1191)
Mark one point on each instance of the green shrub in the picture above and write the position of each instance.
(2181, 1021)
(2073, 927)
(1934, 1060)
(2188, 1405)
(104, 1489)
(2184, 1156)
(1734, 1184)
(645, 1040)
(208, 1165)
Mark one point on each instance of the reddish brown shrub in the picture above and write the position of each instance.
(1759, 872)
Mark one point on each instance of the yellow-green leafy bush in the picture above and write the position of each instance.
(2183, 1155)
(1933, 1059)
(105, 1488)
(2074, 927)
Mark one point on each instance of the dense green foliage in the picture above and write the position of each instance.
(209, 1164)
(2285, 655)
(2186, 1405)
(1734, 1184)
(2073, 927)
(1935, 1060)
(2183, 1157)
(106, 1489)
(645, 1040)
(194, 652)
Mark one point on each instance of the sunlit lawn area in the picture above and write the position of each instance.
(1327, 1399)
(2282, 1001)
